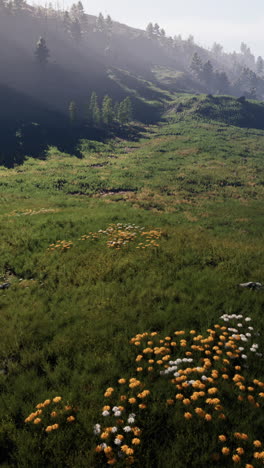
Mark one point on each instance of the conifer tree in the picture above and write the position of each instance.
(100, 23)
(260, 65)
(76, 31)
(17, 5)
(74, 11)
(107, 111)
(196, 65)
(80, 11)
(95, 114)
(156, 29)
(66, 22)
(150, 30)
(125, 111)
(42, 52)
(116, 111)
(207, 74)
(109, 23)
(72, 111)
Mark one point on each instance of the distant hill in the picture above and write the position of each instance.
(239, 112)
(95, 54)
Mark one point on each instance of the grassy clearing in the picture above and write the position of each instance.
(69, 315)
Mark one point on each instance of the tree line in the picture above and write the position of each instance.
(105, 115)
(249, 83)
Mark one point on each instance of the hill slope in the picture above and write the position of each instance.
(152, 235)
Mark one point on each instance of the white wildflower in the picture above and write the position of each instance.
(105, 413)
(97, 429)
(127, 429)
(118, 441)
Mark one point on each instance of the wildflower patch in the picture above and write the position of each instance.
(51, 414)
(206, 386)
(117, 236)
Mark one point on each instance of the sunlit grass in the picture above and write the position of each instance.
(192, 194)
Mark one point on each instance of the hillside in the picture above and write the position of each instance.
(238, 112)
(87, 54)
(145, 238)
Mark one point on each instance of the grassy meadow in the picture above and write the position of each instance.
(134, 238)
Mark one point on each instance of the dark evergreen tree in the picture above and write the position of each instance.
(207, 74)
(116, 111)
(76, 30)
(100, 23)
(150, 30)
(217, 49)
(107, 111)
(66, 22)
(72, 111)
(74, 11)
(260, 65)
(95, 114)
(80, 11)
(42, 52)
(109, 23)
(125, 111)
(221, 83)
(156, 29)
(17, 5)
(196, 65)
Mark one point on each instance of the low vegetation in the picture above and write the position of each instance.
(123, 319)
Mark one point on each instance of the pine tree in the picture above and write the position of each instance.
(76, 31)
(72, 111)
(116, 111)
(17, 5)
(260, 65)
(129, 109)
(125, 111)
(80, 11)
(107, 111)
(150, 30)
(100, 23)
(221, 82)
(156, 29)
(74, 11)
(196, 65)
(66, 22)
(109, 23)
(207, 74)
(95, 114)
(42, 52)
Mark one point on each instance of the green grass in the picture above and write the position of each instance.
(68, 317)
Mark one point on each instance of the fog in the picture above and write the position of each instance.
(227, 22)
(137, 51)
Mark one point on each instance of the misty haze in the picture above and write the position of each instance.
(131, 220)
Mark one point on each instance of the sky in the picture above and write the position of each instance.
(228, 22)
